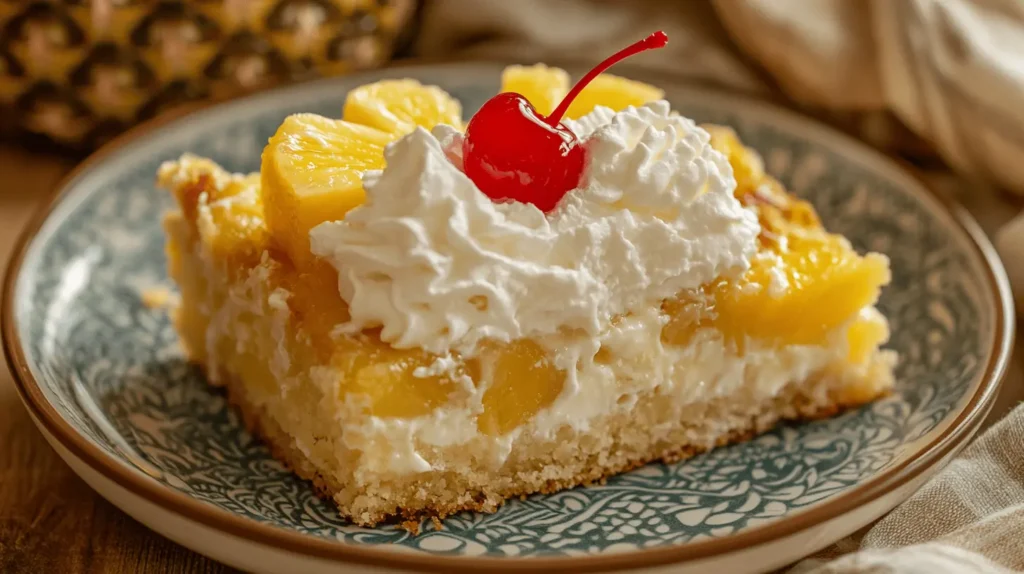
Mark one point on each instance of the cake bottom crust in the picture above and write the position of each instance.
(438, 497)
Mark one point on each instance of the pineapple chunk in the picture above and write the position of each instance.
(523, 381)
(316, 304)
(387, 377)
(251, 368)
(234, 229)
(225, 209)
(399, 106)
(863, 337)
(828, 285)
(747, 165)
(542, 86)
(612, 92)
(312, 172)
(545, 87)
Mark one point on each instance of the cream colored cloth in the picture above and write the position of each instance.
(969, 519)
(952, 71)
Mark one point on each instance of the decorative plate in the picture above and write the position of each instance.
(105, 380)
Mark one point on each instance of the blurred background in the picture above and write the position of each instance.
(925, 79)
(75, 73)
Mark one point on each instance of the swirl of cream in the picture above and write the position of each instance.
(439, 266)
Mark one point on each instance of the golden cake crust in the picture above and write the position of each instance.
(796, 403)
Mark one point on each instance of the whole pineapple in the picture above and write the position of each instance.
(77, 72)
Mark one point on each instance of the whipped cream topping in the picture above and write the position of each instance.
(439, 266)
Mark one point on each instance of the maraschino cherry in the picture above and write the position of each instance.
(512, 153)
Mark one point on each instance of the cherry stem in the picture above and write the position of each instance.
(654, 41)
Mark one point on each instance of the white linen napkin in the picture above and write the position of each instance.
(952, 71)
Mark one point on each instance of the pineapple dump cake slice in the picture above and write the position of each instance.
(418, 349)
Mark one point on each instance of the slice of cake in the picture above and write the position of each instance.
(440, 342)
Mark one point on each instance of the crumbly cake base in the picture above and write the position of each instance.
(436, 496)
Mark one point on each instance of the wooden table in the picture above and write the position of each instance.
(50, 521)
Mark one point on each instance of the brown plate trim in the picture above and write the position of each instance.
(948, 442)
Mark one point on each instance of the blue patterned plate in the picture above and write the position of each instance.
(105, 380)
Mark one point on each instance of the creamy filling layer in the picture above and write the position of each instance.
(636, 364)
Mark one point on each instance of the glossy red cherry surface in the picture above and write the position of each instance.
(512, 153)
